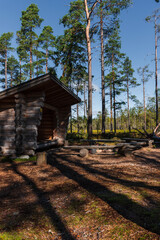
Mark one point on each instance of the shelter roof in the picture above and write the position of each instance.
(56, 93)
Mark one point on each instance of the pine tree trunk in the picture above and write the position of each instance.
(11, 79)
(111, 120)
(6, 69)
(156, 73)
(78, 118)
(20, 64)
(114, 94)
(46, 60)
(102, 73)
(89, 127)
(84, 100)
(37, 65)
(144, 102)
(77, 112)
(71, 122)
(31, 61)
(129, 126)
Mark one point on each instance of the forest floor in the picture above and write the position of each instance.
(103, 196)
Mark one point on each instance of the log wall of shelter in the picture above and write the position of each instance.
(28, 112)
(7, 128)
(26, 118)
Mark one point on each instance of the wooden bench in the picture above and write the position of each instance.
(121, 148)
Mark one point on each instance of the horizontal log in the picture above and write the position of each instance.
(31, 108)
(7, 101)
(29, 152)
(35, 104)
(7, 132)
(7, 152)
(6, 138)
(35, 100)
(7, 111)
(30, 145)
(7, 106)
(32, 115)
(7, 127)
(33, 111)
(136, 139)
(19, 95)
(47, 144)
(21, 101)
(30, 138)
(102, 140)
(6, 121)
(90, 147)
(8, 144)
(27, 128)
(32, 121)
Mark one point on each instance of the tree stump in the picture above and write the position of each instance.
(83, 152)
(41, 158)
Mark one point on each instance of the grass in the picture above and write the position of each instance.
(11, 236)
(18, 160)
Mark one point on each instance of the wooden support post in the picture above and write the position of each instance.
(41, 158)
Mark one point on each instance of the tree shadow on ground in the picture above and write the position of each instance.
(41, 199)
(144, 216)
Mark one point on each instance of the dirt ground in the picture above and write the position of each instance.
(103, 196)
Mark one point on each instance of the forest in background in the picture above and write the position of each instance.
(86, 22)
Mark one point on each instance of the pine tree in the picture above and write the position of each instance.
(107, 10)
(13, 71)
(145, 75)
(47, 41)
(5, 47)
(30, 20)
(39, 59)
(71, 47)
(113, 58)
(89, 13)
(155, 17)
(22, 53)
(129, 82)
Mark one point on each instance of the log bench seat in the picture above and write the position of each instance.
(121, 148)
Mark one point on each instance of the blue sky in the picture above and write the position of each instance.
(137, 36)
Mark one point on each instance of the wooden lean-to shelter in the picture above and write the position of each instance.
(34, 112)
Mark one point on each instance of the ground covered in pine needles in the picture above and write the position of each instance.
(103, 196)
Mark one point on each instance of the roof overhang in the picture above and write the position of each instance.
(56, 93)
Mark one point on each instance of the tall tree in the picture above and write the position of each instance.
(13, 71)
(113, 58)
(129, 81)
(71, 47)
(21, 52)
(47, 41)
(145, 76)
(154, 18)
(30, 20)
(5, 47)
(89, 12)
(107, 10)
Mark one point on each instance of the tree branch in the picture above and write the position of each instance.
(93, 6)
